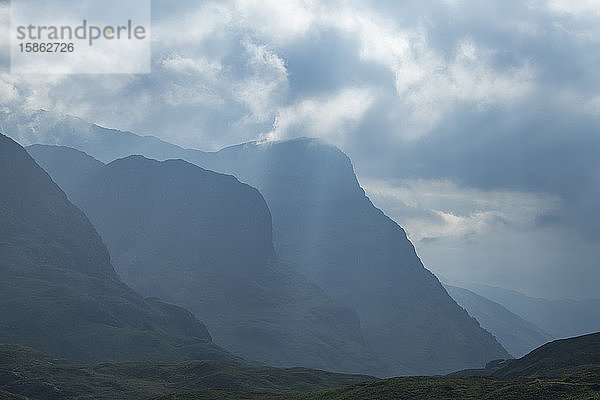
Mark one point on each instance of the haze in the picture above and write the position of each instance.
(474, 125)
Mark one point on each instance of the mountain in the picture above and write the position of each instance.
(26, 372)
(58, 290)
(517, 336)
(562, 370)
(106, 145)
(328, 230)
(70, 167)
(560, 318)
(556, 359)
(566, 369)
(203, 240)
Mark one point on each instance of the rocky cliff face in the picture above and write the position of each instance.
(327, 229)
(58, 290)
(204, 241)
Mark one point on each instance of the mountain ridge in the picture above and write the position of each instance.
(58, 290)
(203, 240)
(517, 335)
(328, 230)
(560, 318)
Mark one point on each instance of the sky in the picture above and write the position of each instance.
(473, 124)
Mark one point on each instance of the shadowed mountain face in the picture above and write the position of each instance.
(557, 358)
(204, 241)
(59, 292)
(326, 228)
(517, 336)
(70, 167)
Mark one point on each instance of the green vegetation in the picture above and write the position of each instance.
(560, 358)
(566, 369)
(26, 372)
(427, 388)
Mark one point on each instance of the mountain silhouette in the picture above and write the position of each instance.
(561, 318)
(517, 335)
(58, 290)
(325, 228)
(204, 241)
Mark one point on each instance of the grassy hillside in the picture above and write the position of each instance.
(564, 369)
(427, 388)
(26, 372)
(560, 358)
(574, 374)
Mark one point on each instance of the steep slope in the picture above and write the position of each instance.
(560, 318)
(69, 167)
(555, 359)
(326, 228)
(59, 292)
(204, 241)
(517, 336)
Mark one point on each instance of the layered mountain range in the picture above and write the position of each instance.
(203, 240)
(326, 229)
(561, 318)
(58, 290)
(517, 335)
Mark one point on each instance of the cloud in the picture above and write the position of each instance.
(231, 58)
(8, 92)
(469, 122)
(188, 24)
(276, 21)
(262, 91)
(4, 36)
(431, 209)
(192, 66)
(330, 118)
(490, 237)
(587, 8)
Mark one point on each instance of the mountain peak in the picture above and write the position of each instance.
(48, 216)
(59, 291)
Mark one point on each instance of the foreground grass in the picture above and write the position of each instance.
(426, 388)
(26, 374)
(34, 375)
